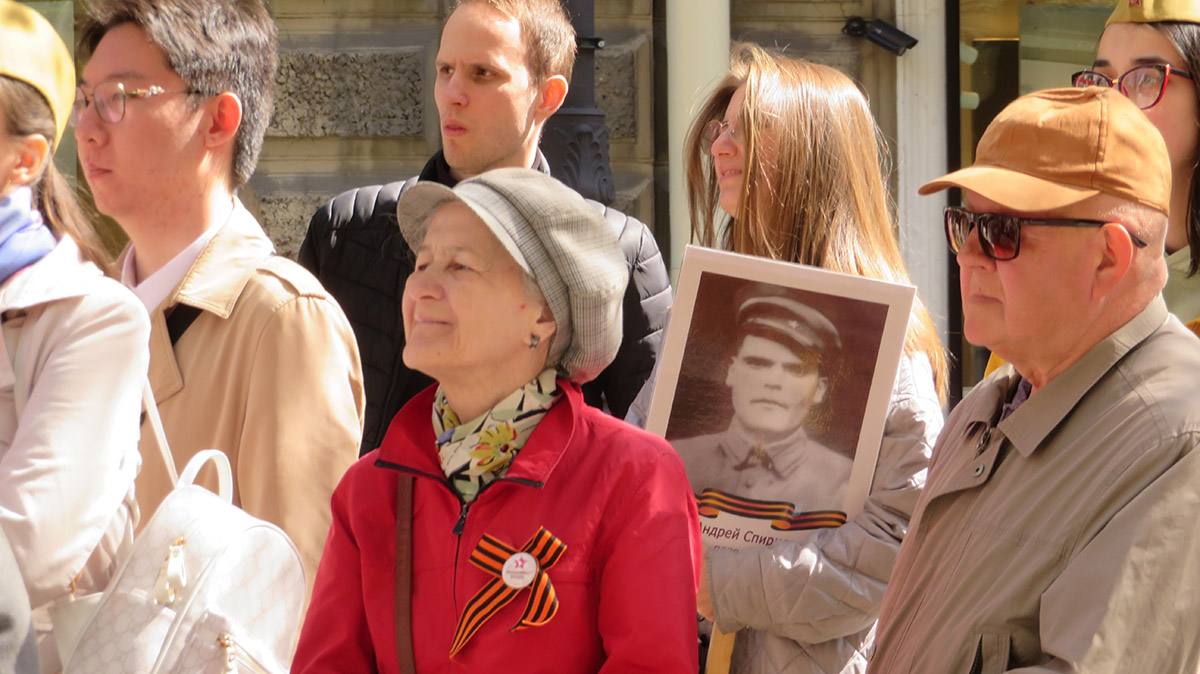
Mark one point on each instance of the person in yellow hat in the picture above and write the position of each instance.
(1150, 51)
(73, 353)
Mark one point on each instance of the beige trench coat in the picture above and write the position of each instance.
(269, 373)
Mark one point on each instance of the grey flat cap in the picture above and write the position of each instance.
(558, 239)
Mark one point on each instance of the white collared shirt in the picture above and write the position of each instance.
(158, 286)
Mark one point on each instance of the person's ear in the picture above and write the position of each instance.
(1115, 259)
(223, 120)
(551, 96)
(729, 371)
(545, 327)
(29, 158)
(820, 390)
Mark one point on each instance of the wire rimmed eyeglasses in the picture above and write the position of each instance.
(1000, 233)
(1144, 85)
(109, 99)
(714, 129)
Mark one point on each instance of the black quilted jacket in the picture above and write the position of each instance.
(355, 248)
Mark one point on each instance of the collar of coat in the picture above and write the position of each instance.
(1032, 423)
(787, 455)
(224, 267)
(214, 283)
(438, 170)
(58, 275)
(410, 445)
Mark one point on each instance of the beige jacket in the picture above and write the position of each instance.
(1063, 538)
(269, 373)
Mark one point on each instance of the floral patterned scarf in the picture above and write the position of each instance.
(479, 451)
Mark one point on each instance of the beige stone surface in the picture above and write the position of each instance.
(370, 93)
(285, 218)
(616, 89)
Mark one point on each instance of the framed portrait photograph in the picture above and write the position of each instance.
(773, 387)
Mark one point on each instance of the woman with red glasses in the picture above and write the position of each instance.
(1150, 51)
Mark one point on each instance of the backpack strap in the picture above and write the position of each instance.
(404, 643)
(150, 409)
(178, 321)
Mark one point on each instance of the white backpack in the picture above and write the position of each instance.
(207, 588)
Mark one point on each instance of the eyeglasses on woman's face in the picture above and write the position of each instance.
(1144, 85)
(713, 131)
(1000, 233)
(109, 99)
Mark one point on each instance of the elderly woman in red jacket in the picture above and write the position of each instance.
(544, 535)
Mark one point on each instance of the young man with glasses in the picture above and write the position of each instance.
(1056, 530)
(502, 70)
(248, 354)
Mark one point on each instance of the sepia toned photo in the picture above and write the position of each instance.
(773, 390)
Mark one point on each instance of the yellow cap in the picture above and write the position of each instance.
(31, 51)
(1143, 11)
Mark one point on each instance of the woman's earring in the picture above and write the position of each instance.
(534, 340)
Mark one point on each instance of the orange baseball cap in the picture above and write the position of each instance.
(32, 52)
(1057, 147)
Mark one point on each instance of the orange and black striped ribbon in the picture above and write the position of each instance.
(490, 555)
(782, 514)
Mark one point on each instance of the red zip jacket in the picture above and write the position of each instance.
(618, 498)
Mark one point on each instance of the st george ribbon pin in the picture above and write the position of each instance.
(514, 570)
(519, 571)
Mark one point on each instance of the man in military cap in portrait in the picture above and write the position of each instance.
(782, 354)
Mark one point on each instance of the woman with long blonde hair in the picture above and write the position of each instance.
(789, 152)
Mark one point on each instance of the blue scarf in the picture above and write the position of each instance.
(24, 238)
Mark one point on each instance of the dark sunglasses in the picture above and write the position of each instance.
(1000, 233)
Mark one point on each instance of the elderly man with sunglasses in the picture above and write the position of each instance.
(1057, 530)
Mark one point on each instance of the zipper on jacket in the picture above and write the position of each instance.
(463, 507)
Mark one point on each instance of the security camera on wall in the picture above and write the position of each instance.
(881, 33)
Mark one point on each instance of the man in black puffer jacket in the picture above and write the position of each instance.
(495, 89)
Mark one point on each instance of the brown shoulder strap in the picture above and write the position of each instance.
(404, 643)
